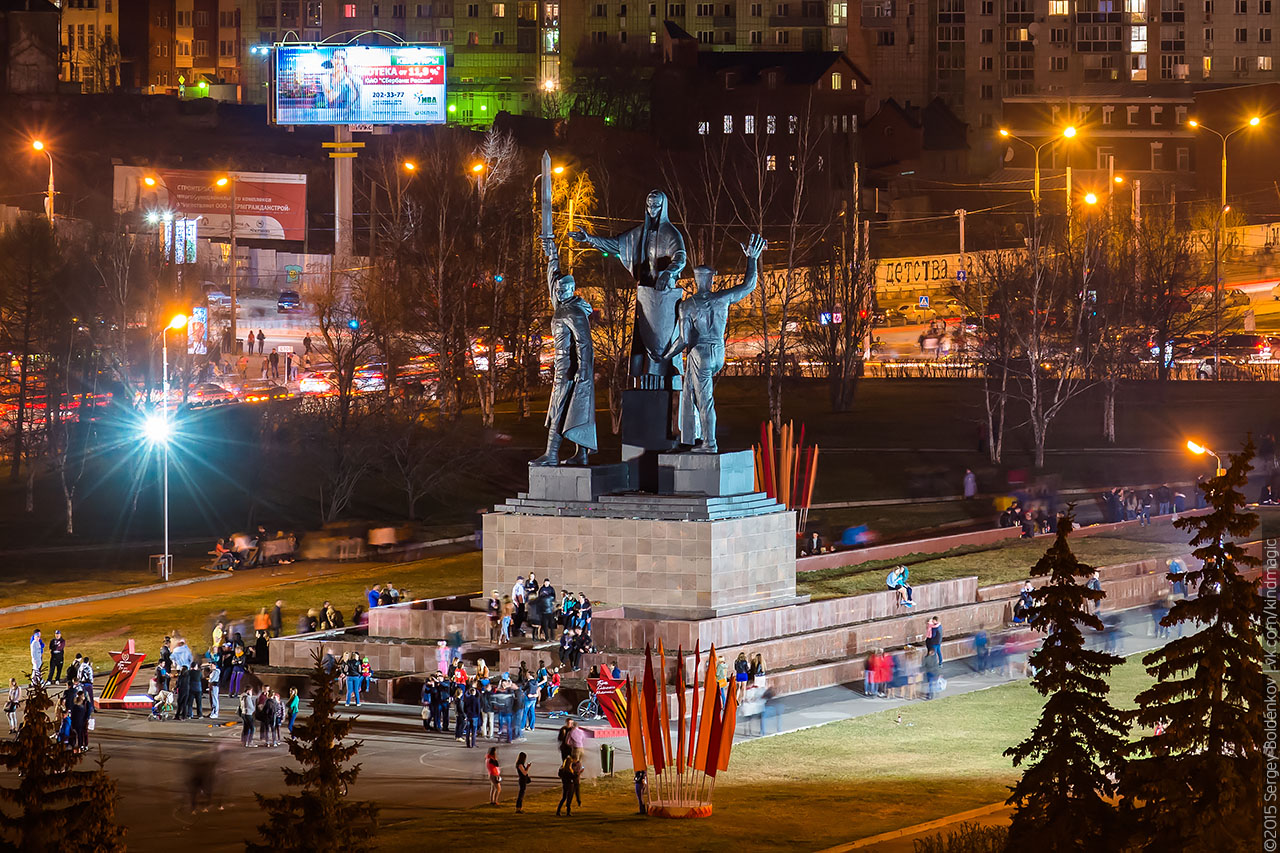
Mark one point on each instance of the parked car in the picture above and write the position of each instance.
(263, 390)
(288, 301)
(1247, 346)
(218, 299)
(1229, 368)
(209, 394)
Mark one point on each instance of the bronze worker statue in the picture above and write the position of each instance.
(571, 413)
(701, 321)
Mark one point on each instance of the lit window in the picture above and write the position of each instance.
(835, 81)
(771, 163)
(792, 123)
(704, 127)
(349, 10)
(1264, 63)
(728, 124)
(748, 124)
(1059, 7)
(771, 125)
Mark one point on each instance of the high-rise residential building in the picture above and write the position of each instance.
(190, 44)
(90, 46)
(975, 53)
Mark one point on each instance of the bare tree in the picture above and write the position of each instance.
(841, 288)
(419, 455)
(987, 293)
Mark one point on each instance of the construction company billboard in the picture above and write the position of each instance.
(357, 84)
(269, 206)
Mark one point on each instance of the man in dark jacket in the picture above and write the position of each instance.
(547, 607)
(472, 709)
(277, 618)
(57, 650)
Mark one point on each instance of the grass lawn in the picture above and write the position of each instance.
(188, 610)
(807, 790)
(1008, 561)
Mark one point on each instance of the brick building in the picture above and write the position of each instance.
(89, 32)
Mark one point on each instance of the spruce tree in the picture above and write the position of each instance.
(319, 818)
(1196, 787)
(1075, 751)
(55, 807)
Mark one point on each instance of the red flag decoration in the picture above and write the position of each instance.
(728, 728)
(711, 759)
(680, 701)
(635, 730)
(653, 729)
(693, 706)
(709, 698)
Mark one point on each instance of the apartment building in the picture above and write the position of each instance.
(1138, 131)
(190, 44)
(90, 47)
(975, 54)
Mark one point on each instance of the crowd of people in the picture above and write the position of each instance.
(534, 610)
(74, 704)
(572, 742)
(1141, 504)
(483, 704)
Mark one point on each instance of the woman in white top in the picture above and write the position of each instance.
(11, 707)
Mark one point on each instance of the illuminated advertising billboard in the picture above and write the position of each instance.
(356, 84)
(269, 205)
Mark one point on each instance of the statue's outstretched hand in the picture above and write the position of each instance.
(577, 235)
(754, 247)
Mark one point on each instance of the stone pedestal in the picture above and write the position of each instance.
(714, 474)
(707, 545)
(673, 568)
(576, 483)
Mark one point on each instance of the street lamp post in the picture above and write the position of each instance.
(1200, 450)
(1219, 237)
(235, 307)
(159, 430)
(1067, 133)
(48, 201)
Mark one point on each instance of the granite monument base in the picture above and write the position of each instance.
(706, 546)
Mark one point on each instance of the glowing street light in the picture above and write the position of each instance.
(1090, 198)
(149, 181)
(39, 145)
(410, 166)
(158, 430)
(1200, 450)
(477, 168)
(1069, 132)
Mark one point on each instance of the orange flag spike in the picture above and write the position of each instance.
(693, 705)
(728, 727)
(635, 728)
(707, 715)
(664, 713)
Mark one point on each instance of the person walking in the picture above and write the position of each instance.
(351, 666)
(248, 343)
(262, 341)
(274, 360)
(57, 649)
(576, 766)
(495, 775)
(306, 344)
(970, 485)
(506, 612)
(11, 705)
(566, 786)
(522, 777)
(214, 674)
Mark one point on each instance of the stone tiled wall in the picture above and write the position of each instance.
(384, 655)
(744, 628)
(404, 620)
(696, 568)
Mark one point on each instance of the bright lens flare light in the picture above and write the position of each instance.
(1255, 121)
(409, 165)
(1069, 133)
(478, 168)
(149, 181)
(1004, 132)
(179, 321)
(1090, 198)
(1197, 449)
(222, 182)
(37, 145)
(557, 170)
(157, 428)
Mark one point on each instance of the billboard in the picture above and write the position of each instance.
(198, 331)
(357, 84)
(269, 205)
